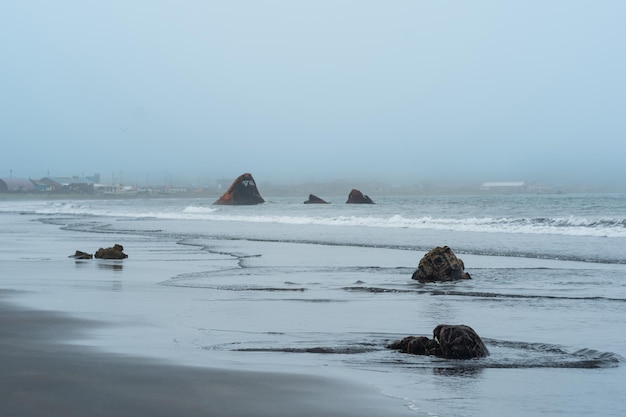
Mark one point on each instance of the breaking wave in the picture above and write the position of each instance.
(121, 210)
(566, 225)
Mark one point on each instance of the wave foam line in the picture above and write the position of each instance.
(569, 226)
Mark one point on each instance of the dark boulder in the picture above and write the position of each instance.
(81, 255)
(242, 192)
(357, 197)
(440, 264)
(459, 342)
(449, 342)
(115, 252)
(313, 199)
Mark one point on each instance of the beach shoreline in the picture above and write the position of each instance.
(42, 375)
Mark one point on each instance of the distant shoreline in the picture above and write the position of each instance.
(54, 196)
(289, 192)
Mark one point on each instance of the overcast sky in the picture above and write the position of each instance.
(405, 91)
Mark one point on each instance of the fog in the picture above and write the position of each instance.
(401, 91)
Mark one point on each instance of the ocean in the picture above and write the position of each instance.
(322, 289)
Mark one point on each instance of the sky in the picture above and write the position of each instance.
(409, 92)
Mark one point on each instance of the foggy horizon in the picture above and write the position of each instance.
(342, 185)
(404, 93)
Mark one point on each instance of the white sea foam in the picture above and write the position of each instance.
(379, 217)
(559, 226)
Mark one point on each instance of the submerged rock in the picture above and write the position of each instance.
(440, 264)
(243, 191)
(357, 197)
(114, 252)
(449, 342)
(313, 199)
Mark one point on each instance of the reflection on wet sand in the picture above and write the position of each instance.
(107, 264)
(114, 265)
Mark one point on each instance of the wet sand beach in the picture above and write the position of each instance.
(43, 376)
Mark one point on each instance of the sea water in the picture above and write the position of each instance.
(322, 289)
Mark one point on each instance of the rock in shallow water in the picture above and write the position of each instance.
(449, 342)
(114, 252)
(243, 191)
(357, 197)
(313, 199)
(440, 265)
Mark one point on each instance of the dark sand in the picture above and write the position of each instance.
(41, 376)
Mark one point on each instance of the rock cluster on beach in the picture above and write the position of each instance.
(449, 342)
(114, 252)
(439, 265)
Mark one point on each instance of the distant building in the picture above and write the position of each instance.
(69, 185)
(115, 189)
(40, 186)
(16, 185)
